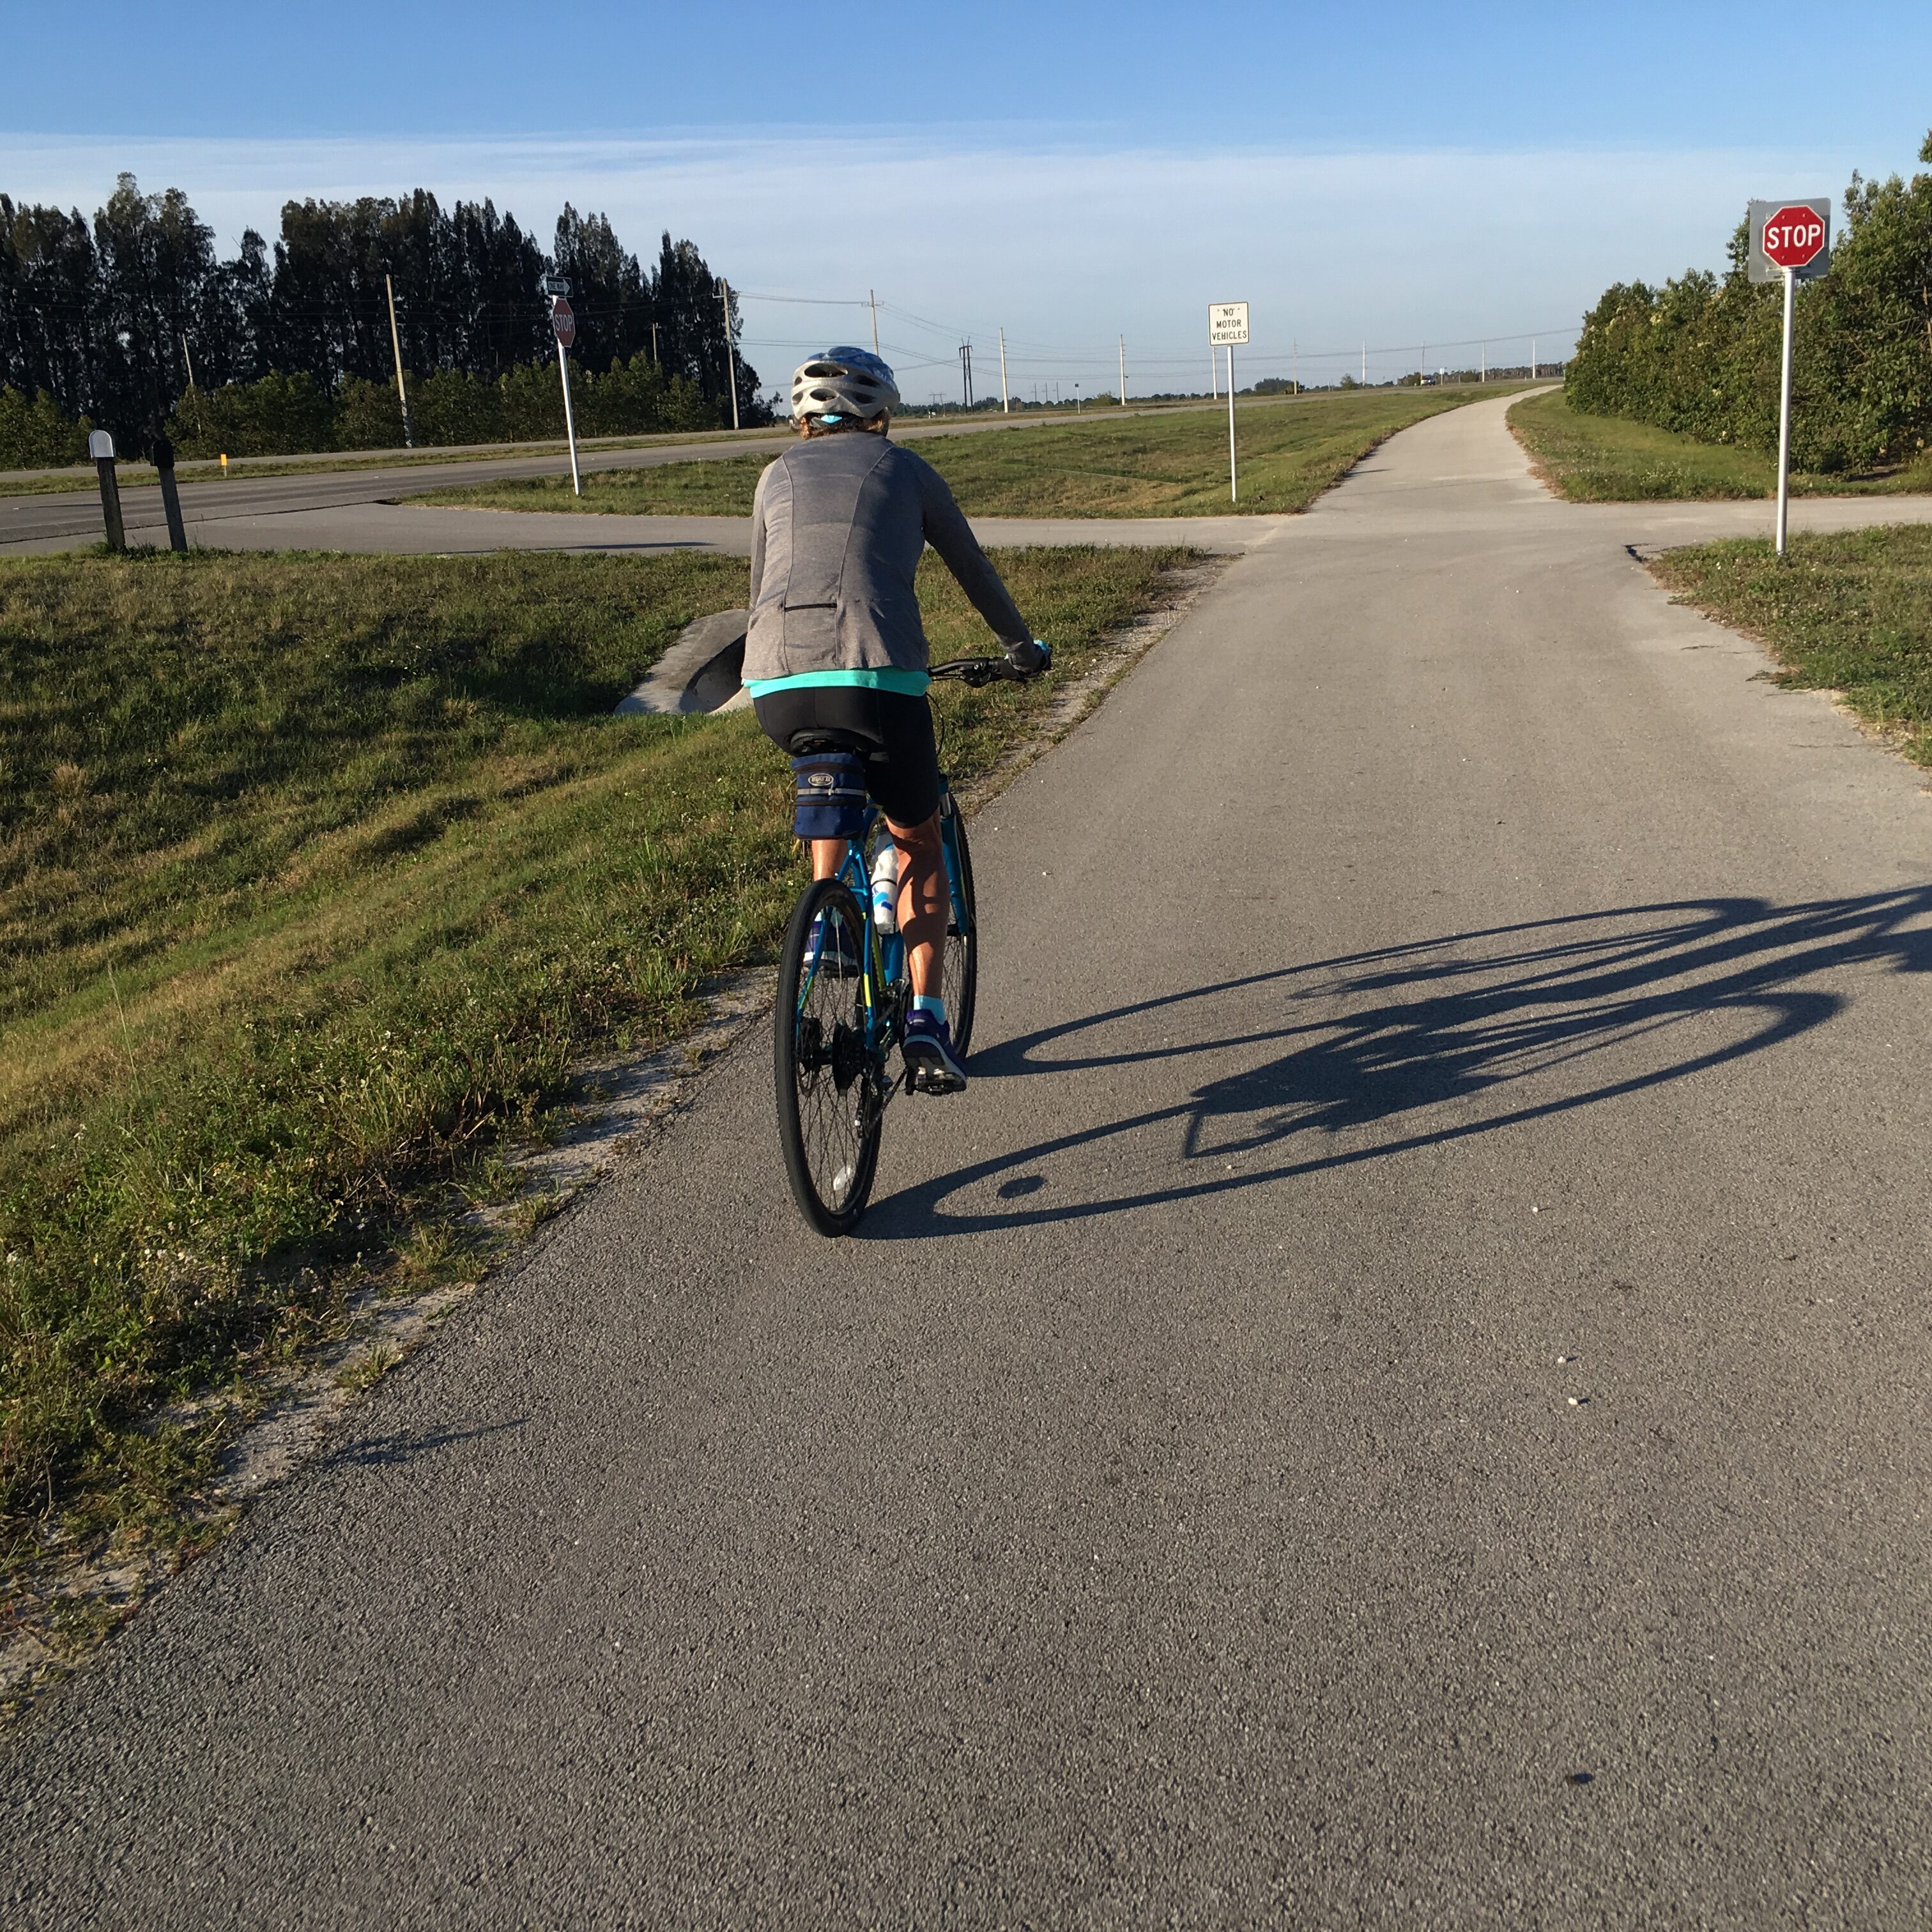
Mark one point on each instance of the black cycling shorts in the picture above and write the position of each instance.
(902, 762)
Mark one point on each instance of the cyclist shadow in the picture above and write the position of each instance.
(1535, 1019)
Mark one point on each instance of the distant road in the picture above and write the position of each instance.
(73, 517)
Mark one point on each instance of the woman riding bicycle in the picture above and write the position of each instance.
(835, 653)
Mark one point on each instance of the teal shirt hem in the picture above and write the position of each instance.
(907, 683)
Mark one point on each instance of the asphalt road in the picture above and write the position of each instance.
(247, 510)
(1396, 1398)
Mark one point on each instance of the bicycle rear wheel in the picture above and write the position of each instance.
(959, 964)
(829, 1097)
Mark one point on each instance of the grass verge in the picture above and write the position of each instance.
(133, 476)
(1116, 465)
(1588, 459)
(318, 873)
(1851, 613)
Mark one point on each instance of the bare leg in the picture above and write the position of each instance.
(827, 856)
(924, 900)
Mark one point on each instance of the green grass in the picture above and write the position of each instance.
(1851, 613)
(1169, 465)
(133, 476)
(1605, 459)
(316, 873)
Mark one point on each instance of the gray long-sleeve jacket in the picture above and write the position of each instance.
(839, 523)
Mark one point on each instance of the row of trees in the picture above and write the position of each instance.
(112, 320)
(1701, 354)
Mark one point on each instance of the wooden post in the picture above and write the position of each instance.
(164, 468)
(396, 344)
(100, 447)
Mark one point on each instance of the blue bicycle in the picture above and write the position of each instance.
(842, 999)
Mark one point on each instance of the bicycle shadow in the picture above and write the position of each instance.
(1544, 1018)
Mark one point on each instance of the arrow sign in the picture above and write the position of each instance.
(563, 322)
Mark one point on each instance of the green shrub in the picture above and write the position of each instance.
(34, 435)
(1700, 355)
(276, 416)
(367, 415)
(289, 416)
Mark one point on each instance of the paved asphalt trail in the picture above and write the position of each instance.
(1424, 1303)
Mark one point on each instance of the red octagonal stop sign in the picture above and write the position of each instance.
(563, 322)
(1794, 236)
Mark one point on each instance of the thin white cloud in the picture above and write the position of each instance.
(1066, 246)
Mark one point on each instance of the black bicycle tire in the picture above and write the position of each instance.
(962, 996)
(829, 1220)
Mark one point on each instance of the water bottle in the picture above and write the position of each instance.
(885, 887)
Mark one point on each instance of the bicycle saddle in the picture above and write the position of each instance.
(817, 738)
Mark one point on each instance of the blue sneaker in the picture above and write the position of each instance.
(829, 949)
(927, 1046)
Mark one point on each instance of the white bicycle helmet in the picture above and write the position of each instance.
(844, 382)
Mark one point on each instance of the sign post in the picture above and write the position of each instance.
(1227, 327)
(163, 458)
(100, 447)
(1791, 241)
(563, 325)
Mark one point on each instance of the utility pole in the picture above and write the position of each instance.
(200, 419)
(655, 362)
(1006, 400)
(1485, 362)
(1532, 357)
(1422, 367)
(730, 353)
(966, 372)
(1365, 361)
(872, 296)
(1295, 362)
(396, 344)
(1123, 372)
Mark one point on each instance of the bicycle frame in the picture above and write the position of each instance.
(885, 968)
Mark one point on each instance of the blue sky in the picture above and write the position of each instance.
(1384, 173)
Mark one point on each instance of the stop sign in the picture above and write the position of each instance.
(563, 322)
(1794, 235)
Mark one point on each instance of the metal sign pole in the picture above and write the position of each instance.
(1784, 415)
(1789, 240)
(569, 421)
(1234, 477)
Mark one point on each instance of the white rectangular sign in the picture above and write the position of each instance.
(1227, 324)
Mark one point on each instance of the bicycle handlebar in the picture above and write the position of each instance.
(975, 672)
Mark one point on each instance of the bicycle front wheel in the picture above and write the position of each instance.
(829, 1094)
(959, 964)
